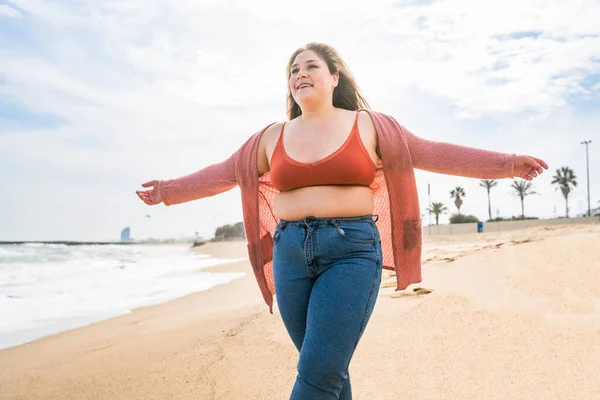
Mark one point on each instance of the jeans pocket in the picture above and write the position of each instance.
(356, 233)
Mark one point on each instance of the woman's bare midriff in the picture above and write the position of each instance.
(324, 202)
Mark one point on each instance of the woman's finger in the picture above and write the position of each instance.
(541, 162)
(151, 196)
(537, 167)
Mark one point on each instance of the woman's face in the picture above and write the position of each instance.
(310, 79)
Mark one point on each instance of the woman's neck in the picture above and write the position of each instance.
(318, 113)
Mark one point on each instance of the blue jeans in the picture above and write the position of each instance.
(327, 274)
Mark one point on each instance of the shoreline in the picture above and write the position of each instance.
(505, 313)
(67, 324)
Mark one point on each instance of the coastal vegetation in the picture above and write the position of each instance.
(230, 232)
(564, 179)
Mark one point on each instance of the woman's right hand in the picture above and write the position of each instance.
(152, 196)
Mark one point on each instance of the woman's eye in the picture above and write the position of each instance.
(295, 70)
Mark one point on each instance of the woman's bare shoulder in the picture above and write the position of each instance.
(368, 134)
(272, 130)
(365, 123)
(270, 136)
(266, 145)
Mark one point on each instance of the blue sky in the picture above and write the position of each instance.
(98, 97)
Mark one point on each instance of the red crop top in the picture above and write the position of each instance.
(348, 165)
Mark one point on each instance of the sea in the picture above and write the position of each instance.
(50, 288)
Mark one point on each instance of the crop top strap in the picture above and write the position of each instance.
(280, 140)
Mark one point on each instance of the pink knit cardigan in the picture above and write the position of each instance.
(394, 192)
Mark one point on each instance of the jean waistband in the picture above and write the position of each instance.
(310, 220)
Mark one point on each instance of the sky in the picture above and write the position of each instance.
(98, 97)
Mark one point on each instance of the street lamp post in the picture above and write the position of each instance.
(587, 162)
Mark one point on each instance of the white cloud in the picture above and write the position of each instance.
(456, 47)
(157, 90)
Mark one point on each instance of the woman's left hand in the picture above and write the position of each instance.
(527, 167)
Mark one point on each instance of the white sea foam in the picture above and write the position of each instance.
(45, 289)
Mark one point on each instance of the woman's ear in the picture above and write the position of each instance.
(336, 79)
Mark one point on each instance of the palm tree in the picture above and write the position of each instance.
(565, 179)
(488, 185)
(523, 189)
(437, 209)
(457, 194)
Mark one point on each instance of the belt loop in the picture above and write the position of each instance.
(283, 225)
(376, 217)
(309, 219)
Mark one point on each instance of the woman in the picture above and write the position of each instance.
(313, 189)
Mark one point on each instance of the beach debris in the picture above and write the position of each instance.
(420, 290)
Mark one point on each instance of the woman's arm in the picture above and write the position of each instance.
(209, 181)
(214, 179)
(452, 159)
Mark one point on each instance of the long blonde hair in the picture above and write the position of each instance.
(346, 94)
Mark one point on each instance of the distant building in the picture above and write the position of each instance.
(125, 235)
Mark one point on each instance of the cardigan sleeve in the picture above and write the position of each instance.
(209, 181)
(452, 159)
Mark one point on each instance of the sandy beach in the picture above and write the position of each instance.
(508, 315)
